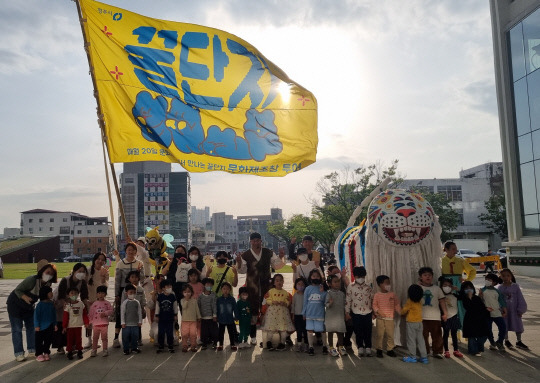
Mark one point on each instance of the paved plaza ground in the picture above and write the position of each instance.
(256, 365)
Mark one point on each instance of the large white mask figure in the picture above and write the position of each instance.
(400, 235)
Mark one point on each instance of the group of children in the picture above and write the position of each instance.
(318, 310)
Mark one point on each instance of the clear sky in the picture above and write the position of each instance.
(409, 80)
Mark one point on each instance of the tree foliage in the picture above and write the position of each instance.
(341, 192)
(495, 218)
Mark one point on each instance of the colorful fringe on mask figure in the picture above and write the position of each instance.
(400, 235)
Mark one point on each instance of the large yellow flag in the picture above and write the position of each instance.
(194, 95)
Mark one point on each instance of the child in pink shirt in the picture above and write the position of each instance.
(99, 318)
(194, 277)
(385, 303)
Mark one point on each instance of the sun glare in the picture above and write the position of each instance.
(284, 91)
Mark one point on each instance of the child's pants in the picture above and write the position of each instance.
(209, 331)
(434, 328)
(476, 345)
(165, 328)
(43, 340)
(74, 336)
(100, 331)
(452, 332)
(245, 329)
(385, 327)
(300, 326)
(189, 331)
(339, 339)
(231, 329)
(363, 329)
(130, 337)
(501, 326)
(415, 338)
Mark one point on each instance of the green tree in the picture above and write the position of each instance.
(296, 226)
(448, 217)
(495, 218)
(323, 231)
(341, 192)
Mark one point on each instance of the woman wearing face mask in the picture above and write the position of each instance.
(20, 307)
(196, 258)
(77, 279)
(305, 266)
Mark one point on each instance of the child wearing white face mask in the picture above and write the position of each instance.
(166, 315)
(452, 323)
(358, 306)
(385, 303)
(131, 320)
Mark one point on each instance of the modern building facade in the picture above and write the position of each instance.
(224, 227)
(70, 227)
(199, 217)
(152, 195)
(248, 224)
(467, 196)
(516, 48)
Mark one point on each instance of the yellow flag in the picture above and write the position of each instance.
(197, 96)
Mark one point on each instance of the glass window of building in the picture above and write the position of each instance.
(452, 192)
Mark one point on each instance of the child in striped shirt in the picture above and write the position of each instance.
(385, 302)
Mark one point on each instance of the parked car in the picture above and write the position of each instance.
(72, 258)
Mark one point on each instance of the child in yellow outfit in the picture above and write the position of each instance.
(415, 338)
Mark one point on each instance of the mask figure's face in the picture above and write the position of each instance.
(401, 218)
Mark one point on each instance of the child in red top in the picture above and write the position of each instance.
(75, 317)
(99, 318)
(385, 303)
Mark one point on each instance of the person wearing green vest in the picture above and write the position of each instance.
(257, 263)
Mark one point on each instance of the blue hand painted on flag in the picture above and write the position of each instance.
(180, 124)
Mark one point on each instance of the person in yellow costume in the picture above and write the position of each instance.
(453, 268)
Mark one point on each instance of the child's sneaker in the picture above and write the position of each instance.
(93, 353)
(116, 343)
(247, 345)
(171, 350)
(522, 345)
(391, 353)
(47, 357)
(325, 350)
(193, 349)
(447, 354)
(70, 355)
(508, 344)
(424, 360)
(136, 350)
(253, 341)
(334, 352)
(185, 349)
(60, 351)
(493, 347)
(234, 348)
(409, 359)
(219, 348)
(343, 351)
(126, 352)
(281, 347)
(458, 354)
(379, 354)
(105, 353)
(79, 354)
(269, 346)
(40, 358)
(438, 356)
(500, 346)
(305, 348)
(368, 352)
(311, 351)
(361, 352)
(159, 350)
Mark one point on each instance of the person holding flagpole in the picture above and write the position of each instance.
(257, 263)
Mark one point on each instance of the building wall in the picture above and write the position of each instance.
(155, 196)
(467, 197)
(49, 223)
(516, 38)
(48, 249)
(199, 217)
(225, 226)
